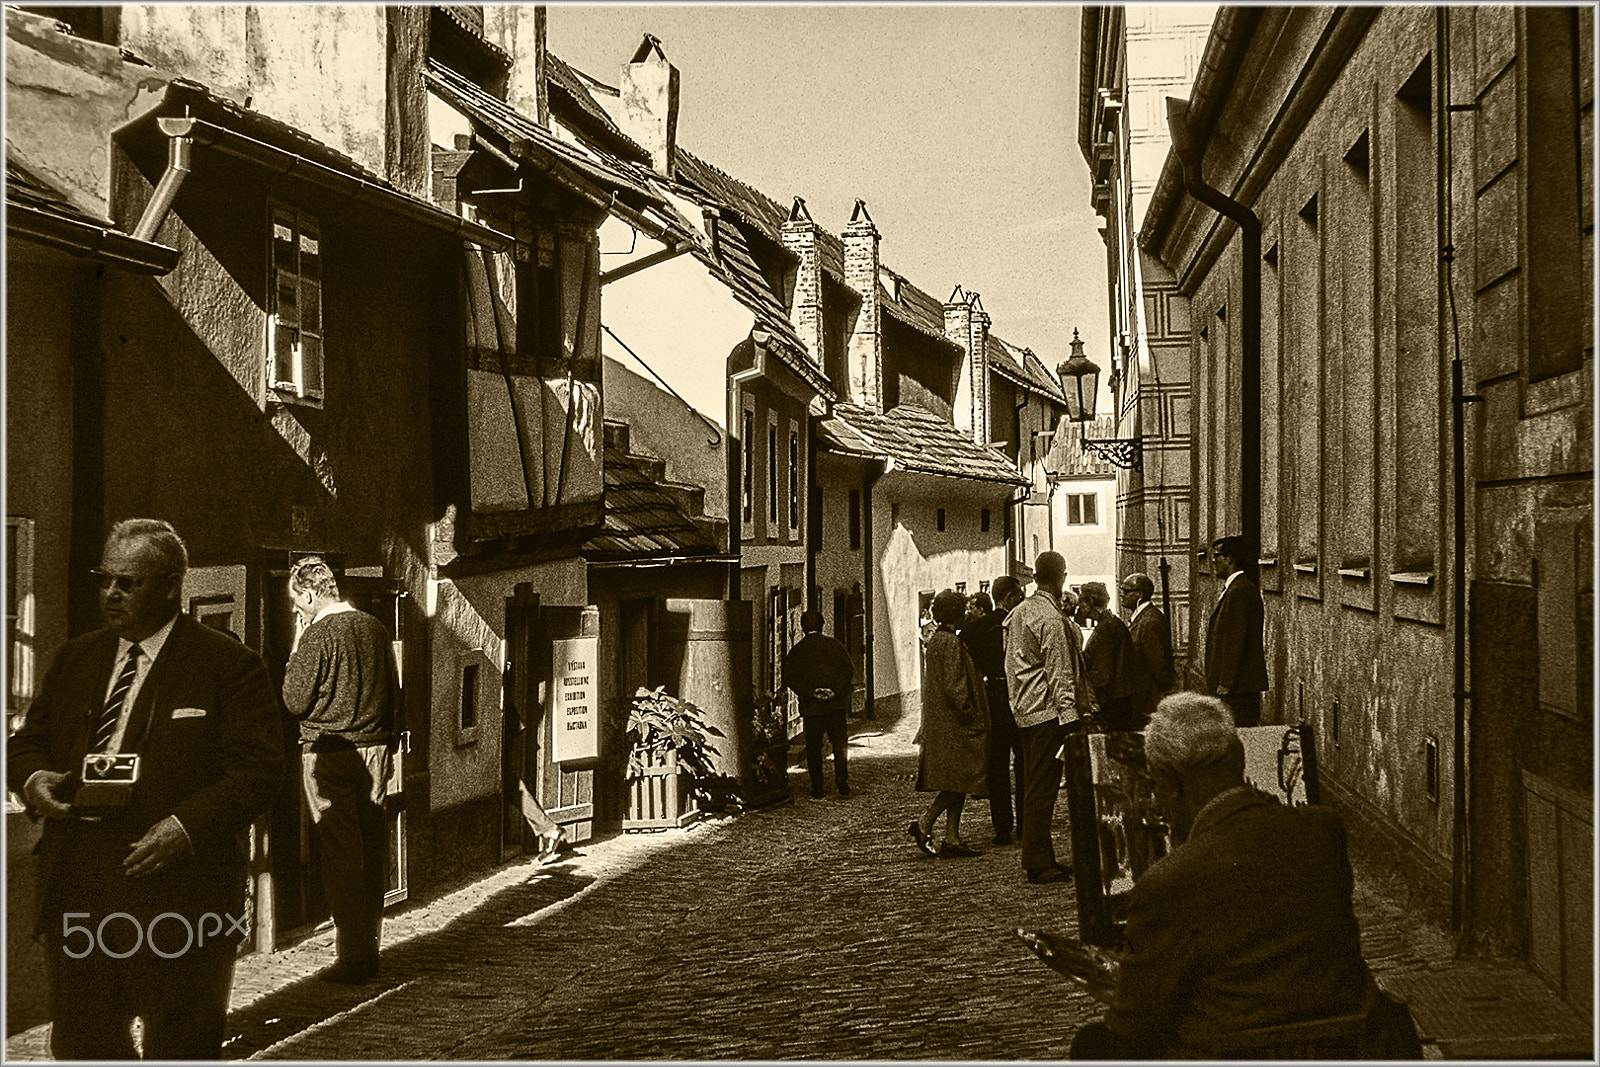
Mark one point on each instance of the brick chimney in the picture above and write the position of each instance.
(866, 339)
(800, 237)
(649, 99)
(967, 324)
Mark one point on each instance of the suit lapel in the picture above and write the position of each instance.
(144, 707)
(96, 678)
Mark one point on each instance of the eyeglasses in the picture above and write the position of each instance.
(123, 583)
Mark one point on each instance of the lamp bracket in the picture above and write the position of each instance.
(1124, 452)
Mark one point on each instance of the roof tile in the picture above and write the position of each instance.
(917, 440)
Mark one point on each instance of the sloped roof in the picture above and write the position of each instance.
(25, 190)
(571, 83)
(915, 307)
(1068, 458)
(512, 124)
(1023, 367)
(916, 440)
(38, 211)
(641, 520)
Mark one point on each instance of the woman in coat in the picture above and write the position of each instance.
(955, 730)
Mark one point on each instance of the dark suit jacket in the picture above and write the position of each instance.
(215, 765)
(1109, 656)
(818, 661)
(1152, 649)
(1248, 923)
(1235, 656)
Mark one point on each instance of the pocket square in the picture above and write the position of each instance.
(189, 713)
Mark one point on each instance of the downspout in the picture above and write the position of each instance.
(1461, 837)
(179, 152)
(1190, 155)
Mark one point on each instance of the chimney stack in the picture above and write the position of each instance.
(967, 324)
(866, 339)
(649, 98)
(800, 237)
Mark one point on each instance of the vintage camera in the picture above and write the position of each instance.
(106, 782)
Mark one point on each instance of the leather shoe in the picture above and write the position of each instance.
(915, 830)
(844, 790)
(957, 851)
(1047, 875)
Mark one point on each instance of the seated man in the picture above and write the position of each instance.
(1247, 923)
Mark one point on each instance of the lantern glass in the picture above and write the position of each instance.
(1081, 378)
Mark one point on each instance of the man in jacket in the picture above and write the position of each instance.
(1236, 661)
(1109, 656)
(1248, 923)
(142, 883)
(819, 673)
(1152, 644)
(1042, 681)
(340, 684)
(984, 636)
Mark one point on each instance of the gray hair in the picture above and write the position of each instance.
(1141, 584)
(1190, 730)
(157, 533)
(313, 573)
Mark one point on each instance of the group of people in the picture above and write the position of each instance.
(152, 746)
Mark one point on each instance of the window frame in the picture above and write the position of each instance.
(21, 628)
(297, 387)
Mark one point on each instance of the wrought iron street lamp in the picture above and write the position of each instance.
(1081, 379)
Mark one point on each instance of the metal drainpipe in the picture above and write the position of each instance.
(179, 150)
(1190, 156)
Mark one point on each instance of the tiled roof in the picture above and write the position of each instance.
(765, 213)
(1022, 367)
(571, 83)
(1040, 373)
(642, 521)
(1068, 458)
(24, 190)
(915, 308)
(508, 122)
(916, 440)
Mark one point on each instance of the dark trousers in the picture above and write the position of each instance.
(1096, 1041)
(345, 788)
(1041, 772)
(182, 1000)
(1246, 708)
(1004, 754)
(831, 724)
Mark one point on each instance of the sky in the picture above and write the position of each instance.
(957, 125)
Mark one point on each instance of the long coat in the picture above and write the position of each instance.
(955, 720)
(1152, 643)
(1235, 657)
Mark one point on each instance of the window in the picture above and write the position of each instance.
(772, 477)
(855, 518)
(19, 618)
(794, 480)
(940, 519)
(983, 520)
(469, 697)
(747, 476)
(1081, 509)
(294, 318)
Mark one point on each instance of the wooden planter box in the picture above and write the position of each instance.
(660, 798)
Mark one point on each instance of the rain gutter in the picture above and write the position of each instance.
(86, 239)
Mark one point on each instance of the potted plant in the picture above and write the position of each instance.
(669, 760)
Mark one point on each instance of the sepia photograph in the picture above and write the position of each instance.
(766, 532)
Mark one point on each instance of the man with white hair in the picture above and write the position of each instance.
(1247, 926)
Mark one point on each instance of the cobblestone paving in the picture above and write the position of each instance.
(811, 930)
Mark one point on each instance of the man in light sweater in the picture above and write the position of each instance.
(340, 684)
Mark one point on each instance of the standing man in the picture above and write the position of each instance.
(1236, 659)
(340, 685)
(1152, 644)
(1042, 680)
(1110, 658)
(142, 883)
(984, 636)
(819, 672)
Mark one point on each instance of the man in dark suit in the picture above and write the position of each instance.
(141, 901)
(1109, 657)
(1248, 923)
(1236, 660)
(819, 671)
(1153, 676)
(984, 636)
(340, 684)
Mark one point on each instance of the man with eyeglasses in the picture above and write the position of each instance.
(152, 744)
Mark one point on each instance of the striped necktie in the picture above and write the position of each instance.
(112, 714)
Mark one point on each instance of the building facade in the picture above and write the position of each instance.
(1422, 181)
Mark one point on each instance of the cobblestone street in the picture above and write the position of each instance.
(811, 930)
